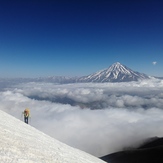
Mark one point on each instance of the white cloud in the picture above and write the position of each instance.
(154, 62)
(126, 112)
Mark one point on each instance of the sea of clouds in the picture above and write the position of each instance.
(99, 118)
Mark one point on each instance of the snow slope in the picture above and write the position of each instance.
(21, 143)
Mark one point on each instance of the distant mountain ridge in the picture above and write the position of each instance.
(115, 73)
(57, 79)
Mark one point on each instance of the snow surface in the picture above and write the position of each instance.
(21, 143)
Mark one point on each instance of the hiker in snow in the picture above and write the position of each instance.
(26, 115)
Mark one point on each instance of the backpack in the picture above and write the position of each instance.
(26, 112)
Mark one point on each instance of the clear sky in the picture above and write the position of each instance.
(79, 37)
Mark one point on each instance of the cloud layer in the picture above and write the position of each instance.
(97, 118)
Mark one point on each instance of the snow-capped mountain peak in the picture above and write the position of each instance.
(115, 73)
(117, 67)
(22, 143)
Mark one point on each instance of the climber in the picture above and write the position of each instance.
(26, 115)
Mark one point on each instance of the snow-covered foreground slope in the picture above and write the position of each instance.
(21, 143)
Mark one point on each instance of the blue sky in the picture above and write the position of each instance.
(79, 37)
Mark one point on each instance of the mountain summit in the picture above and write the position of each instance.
(115, 73)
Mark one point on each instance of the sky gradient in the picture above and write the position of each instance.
(75, 38)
